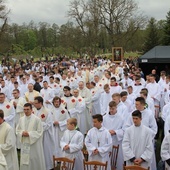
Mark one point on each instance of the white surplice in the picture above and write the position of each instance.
(99, 139)
(48, 135)
(115, 122)
(137, 142)
(61, 115)
(74, 139)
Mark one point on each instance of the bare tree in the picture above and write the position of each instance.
(120, 18)
(3, 16)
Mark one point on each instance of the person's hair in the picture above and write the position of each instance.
(72, 121)
(144, 92)
(52, 77)
(152, 75)
(56, 98)
(67, 88)
(58, 79)
(106, 86)
(93, 83)
(115, 95)
(1, 114)
(113, 78)
(45, 81)
(15, 82)
(39, 99)
(112, 104)
(108, 72)
(2, 94)
(16, 90)
(144, 89)
(137, 113)
(99, 117)
(28, 105)
(141, 100)
(130, 87)
(123, 93)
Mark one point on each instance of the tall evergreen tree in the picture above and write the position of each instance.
(152, 38)
(166, 37)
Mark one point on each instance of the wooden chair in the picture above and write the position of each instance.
(113, 156)
(135, 167)
(94, 165)
(65, 163)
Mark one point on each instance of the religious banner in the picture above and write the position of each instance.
(117, 54)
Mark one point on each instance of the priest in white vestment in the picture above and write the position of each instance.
(30, 133)
(114, 123)
(9, 111)
(60, 117)
(98, 142)
(47, 94)
(81, 112)
(7, 145)
(106, 98)
(72, 143)
(48, 131)
(18, 103)
(31, 94)
(137, 143)
(86, 95)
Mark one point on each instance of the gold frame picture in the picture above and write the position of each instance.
(117, 54)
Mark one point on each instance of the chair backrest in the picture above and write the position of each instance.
(94, 165)
(113, 156)
(135, 167)
(64, 163)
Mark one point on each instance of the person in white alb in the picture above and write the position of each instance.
(98, 142)
(7, 145)
(137, 143)
(72, 143)
(30, 133)
(48, 132)
(60, 116)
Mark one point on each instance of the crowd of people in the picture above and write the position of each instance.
(60, 107)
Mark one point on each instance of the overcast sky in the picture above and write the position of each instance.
(55, 11)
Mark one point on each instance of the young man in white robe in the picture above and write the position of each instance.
(7, 145)
(72, 144)
(148, 120)
(47, 94)
(154, 90)
(137, 143)
(86, 95)
(48, 131)
(95, 93)
(106, 98)
(18, 103)
(165, 151)
(80, 112)
(98, 142)
(60, 117)
(121, 107)
(114, 123)
(30, 133)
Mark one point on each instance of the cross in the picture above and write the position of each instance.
(98, 143)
